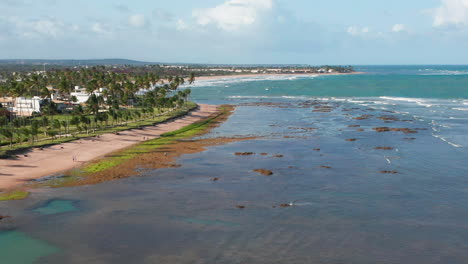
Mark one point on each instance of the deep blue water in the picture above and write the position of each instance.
(346, 212)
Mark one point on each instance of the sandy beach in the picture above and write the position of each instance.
(216, 77)
(58, 158)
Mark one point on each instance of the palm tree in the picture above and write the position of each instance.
(192, 78)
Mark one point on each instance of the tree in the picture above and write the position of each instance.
(7, 133)
(192, 78)
(34, 130)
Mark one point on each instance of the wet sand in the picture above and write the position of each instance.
(59, 158)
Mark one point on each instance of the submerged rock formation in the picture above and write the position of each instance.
(264, 172)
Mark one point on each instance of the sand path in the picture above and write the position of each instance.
(59, 158)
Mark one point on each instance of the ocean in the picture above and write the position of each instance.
(367, 168)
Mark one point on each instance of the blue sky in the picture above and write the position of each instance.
(238, 31)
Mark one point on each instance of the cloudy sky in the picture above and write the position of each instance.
(238, 31)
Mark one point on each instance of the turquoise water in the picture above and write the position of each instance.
(357, 195)
(56, 207)
(415, 82)
(17, 247)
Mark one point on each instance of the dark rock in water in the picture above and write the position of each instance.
(264, 172)
(351, 139)
(421, 129)
(410, 138)
(388, 118)
(354, 126)
(381, 129)
(325, 167)
(4, 217)
(388, 172)
(404, 130)
(383, 148)
(363, 117)
(215, 179)
(240, 206)
(244, 153)
(278, 156)
(360, 129)
(317, 149)
(285, 205)
(264, 154)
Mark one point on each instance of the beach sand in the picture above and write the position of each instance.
(60, 158)
(256, 75)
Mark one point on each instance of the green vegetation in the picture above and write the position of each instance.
(145, 147)
(122, 156)
(13, 195)
(116, 101)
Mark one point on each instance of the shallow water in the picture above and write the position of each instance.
(350, 212)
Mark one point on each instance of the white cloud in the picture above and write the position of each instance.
(137, 20)
(451, 12)
(181, 25)
(99, 28)
(398, 28)
(48, 27)
(232, 14)
(355, 30)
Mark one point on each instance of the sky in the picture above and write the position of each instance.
(312, 32)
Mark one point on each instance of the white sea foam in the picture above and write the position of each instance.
(222, 81)
(446, 141)
(461, 108)
(443, 72)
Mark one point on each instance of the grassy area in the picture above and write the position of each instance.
(167, 138)
(128, 154)
(6, 152)
(13, 195)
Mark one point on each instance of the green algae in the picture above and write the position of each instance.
(145, 147)
(13, 195)
(122, 156)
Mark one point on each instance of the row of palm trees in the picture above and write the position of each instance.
(126, 97)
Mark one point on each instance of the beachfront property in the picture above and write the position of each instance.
(27, 106)
(82, 95)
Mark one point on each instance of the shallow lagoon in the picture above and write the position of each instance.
(348, 213)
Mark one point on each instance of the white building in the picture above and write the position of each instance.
(27, 106)
(82, 95)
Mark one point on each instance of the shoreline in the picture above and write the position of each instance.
(67, 156)
(204, 78)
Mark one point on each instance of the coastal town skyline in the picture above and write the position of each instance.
(238, 31)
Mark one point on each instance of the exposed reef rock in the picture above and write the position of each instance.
(4, 217)
(404, 130)
(244, 153)
(363, 117)
(388, 172)
(264, 172)
(383, 148)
